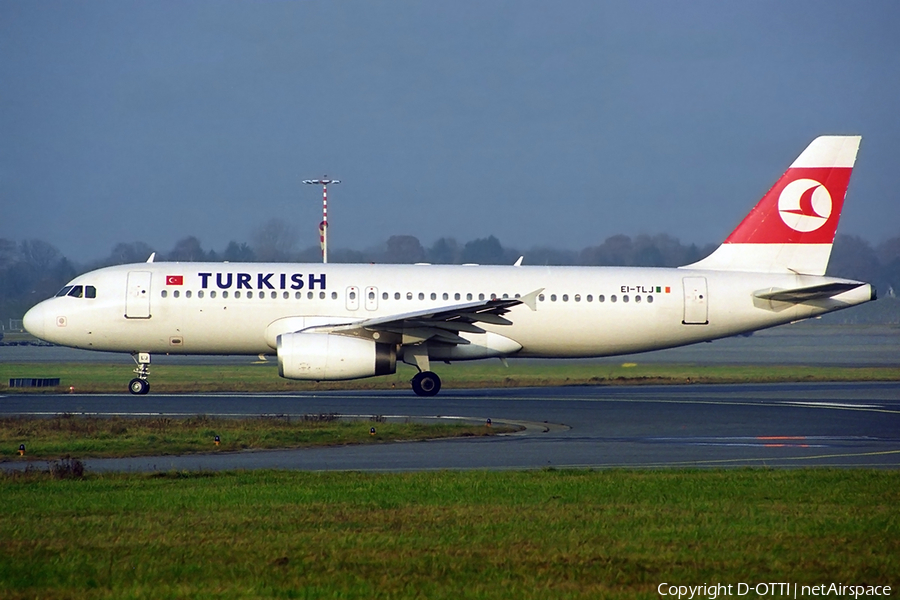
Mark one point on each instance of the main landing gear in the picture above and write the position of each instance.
(140, 385)
(426, 382)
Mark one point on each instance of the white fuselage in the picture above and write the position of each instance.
(241, 308)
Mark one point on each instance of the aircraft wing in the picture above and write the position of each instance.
(804, 294)
(441, 324)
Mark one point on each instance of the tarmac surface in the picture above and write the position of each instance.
(682, 426)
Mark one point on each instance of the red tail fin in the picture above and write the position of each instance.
(793, 226)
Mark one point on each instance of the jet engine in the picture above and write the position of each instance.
(324, 356)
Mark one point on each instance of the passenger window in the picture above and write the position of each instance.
(612, 298)
(385, 296)
(396, 295)
(286, 295)
(333, 295)
(577, 297)
(589, 298)
(64, 291)
(176, 293)
(164, 293)
(321, 295)
(481, 296)
(249, 294)
(468, 296)
(77, 292)
(409, 295)
(433, 296)
(353, 295)
(649, 299)
(187, 294)
(421, 295)
(371, 295)
(637, 298)
(446, 296)
(565, 297)
(225, 294)
(200, 294)
(212, 294)
(552, 297)
(541, 297)
(298, 295)
(236, 294)
(625, 298)
(309, 295)
(456, 296)
(601, 298)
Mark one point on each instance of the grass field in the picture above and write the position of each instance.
(545, 534)
(93, 437)
(93, 377)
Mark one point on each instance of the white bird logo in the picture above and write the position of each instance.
(804, 205)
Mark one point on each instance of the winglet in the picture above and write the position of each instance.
(152, 256)
(530, 300)
(518, 263)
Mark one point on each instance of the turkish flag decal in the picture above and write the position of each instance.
(175, 280)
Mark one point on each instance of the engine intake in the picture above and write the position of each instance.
(329, 357)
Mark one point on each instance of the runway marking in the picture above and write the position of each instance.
(831, 404)
(528, 427)
(734, 461)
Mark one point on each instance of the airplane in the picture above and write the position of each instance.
(329, 322)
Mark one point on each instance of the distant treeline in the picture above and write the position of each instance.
(32, 270)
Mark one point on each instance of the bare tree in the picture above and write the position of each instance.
(126, 253)
(39, 254)
(275, 241)
(404, 249)
(187, 250)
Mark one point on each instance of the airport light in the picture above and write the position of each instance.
(323, 226)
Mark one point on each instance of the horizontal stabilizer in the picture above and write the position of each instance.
(804, 294)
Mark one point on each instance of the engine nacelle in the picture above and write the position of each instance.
(324, 356)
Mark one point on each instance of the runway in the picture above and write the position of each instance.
(690, 426)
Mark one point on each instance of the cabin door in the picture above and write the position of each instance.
(137, 295)
(696, 308)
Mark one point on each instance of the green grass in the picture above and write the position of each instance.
(93, 437)
(546, 534)
(92, 377)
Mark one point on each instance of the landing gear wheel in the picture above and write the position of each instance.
(139, 386)
(426, 383)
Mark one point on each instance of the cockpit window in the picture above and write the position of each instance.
(63, 291)
(90, 291)
(76, 291)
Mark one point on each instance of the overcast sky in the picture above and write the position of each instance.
(542, 123)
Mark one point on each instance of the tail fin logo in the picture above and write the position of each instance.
(804, 205)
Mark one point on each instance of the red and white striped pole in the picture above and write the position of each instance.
(323, 226)
(323, 238)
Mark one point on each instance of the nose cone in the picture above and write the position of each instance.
(34, 320)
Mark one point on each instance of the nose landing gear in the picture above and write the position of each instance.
(139, 385)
